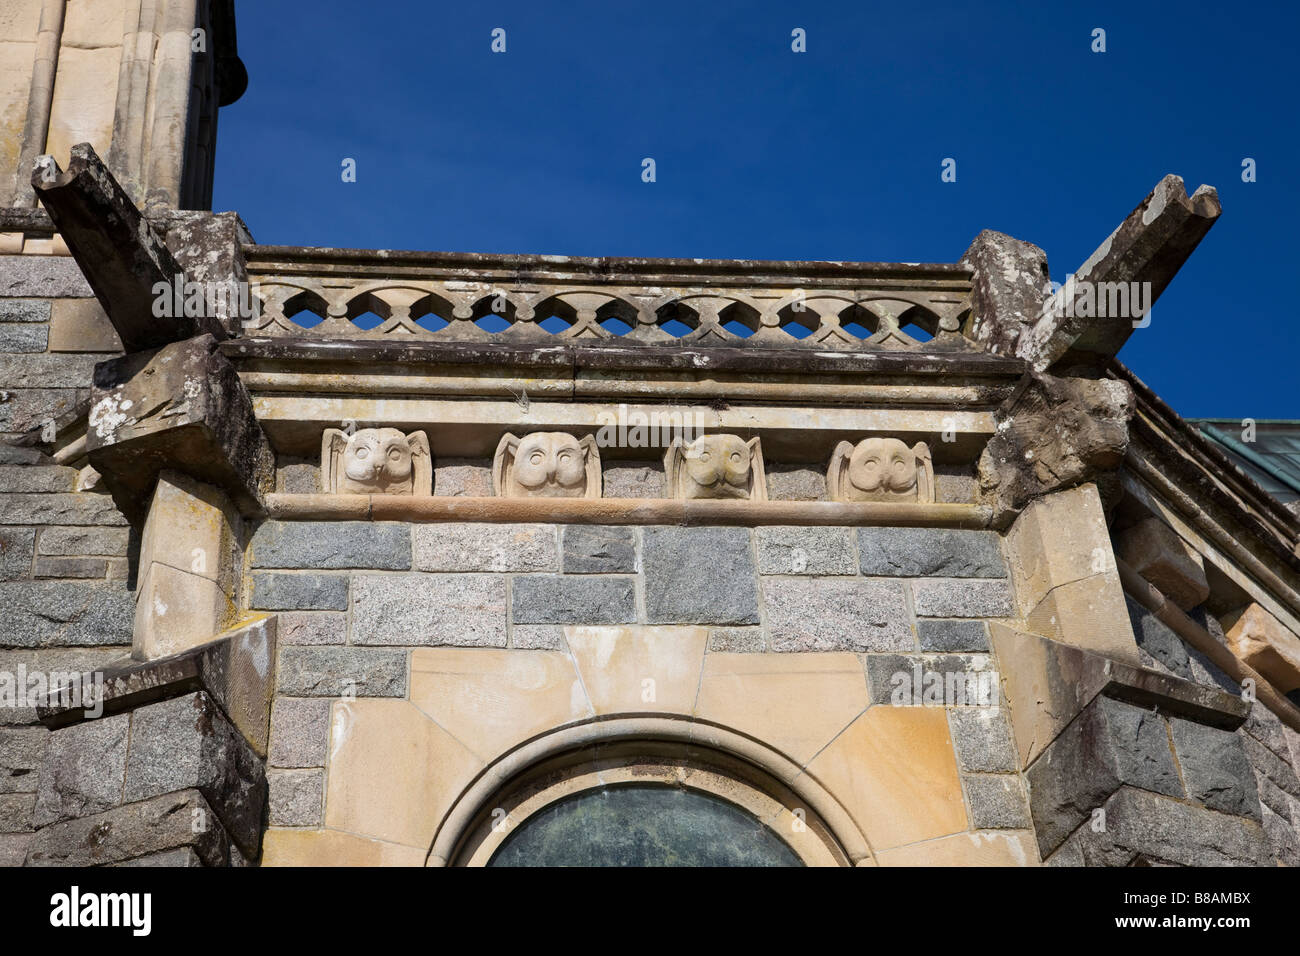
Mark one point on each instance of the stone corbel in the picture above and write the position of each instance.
(715, 466)
(881, 469)
(546, 465)
(376, 461)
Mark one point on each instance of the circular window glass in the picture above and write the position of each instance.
(643, 825)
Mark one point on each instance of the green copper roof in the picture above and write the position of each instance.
(1271, 455)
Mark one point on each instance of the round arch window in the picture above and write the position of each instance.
(643, 825)
(643, 803)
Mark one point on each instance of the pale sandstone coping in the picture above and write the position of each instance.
(623, 511)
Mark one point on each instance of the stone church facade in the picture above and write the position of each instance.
(348, 557)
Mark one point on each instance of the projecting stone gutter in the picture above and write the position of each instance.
(623, 511)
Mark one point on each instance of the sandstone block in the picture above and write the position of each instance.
(1172, 566)
(1262, 641)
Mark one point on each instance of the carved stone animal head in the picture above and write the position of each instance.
(376, 461)
(716, 466)
(546, 465)
(881, 469)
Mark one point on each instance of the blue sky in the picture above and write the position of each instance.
(765, 153)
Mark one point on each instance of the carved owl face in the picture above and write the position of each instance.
(883, 465)
(376, 461)
(881, 469)
(716, 466)
(720, 464)
(547, 465)
(377, 456)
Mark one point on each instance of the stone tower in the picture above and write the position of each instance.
(140, 80)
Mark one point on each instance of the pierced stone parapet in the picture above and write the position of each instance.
(303, 292)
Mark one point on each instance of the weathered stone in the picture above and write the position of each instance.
(332, 545)
(48, 371)
(1007, 290)
(822, 614)
(53, 509)
(297, 798)
(592, 549)
(1269, 765)
(187, 743)
(996, 802)
(22, 750)
(485, 547)
(576, 599)
(1158, 639)
(300, 592)
(13, 847)
(537, 637)
(1214, 767)
(925, 552)
(177, 611)
(1087, 322)
(932, 680)
(699, 576)
(43, 277)
(453, 609)
(134, 831)
(24, 410)
(463, 478)
(952, 636)
(37, 478)
(1282, 838)
(86, 568)
(340, 671)
(297, 478)
(50, 613)
(16, 812)
(740, 640)
(56, 663)
(634, 480)
(81, 325)
(795, 483)
(17, 548)
(121, 255)
(299, 732)
(1262, 641)
(791, 550)
(312, 628)
(962, 597)
(1145, 828)
(1054, 433)
(1154, 551)
(982, 738)
(83, 770)
(105, 542)
(15, 337)
(183, 408)
(24, 310)
(1110, 744)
